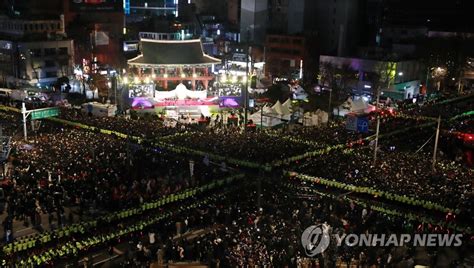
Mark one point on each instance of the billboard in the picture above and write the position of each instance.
(229, 102)
(96, 5)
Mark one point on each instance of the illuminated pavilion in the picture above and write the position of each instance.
(178, 61)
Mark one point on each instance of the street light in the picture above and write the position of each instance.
(125, 80)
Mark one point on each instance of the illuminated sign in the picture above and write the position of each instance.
(97, 5)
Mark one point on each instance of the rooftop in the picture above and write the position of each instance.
(169, 53)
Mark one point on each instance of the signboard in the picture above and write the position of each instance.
(356, 123)
(96, 5)
(362, 124)
(351, 122)
(229, 102)
(44, 113)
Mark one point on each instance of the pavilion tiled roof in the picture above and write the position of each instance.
(169, 53)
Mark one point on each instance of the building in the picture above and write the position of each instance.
(138, 9)
(169, 63)
(233, 13)
(253, 21)
(286, 16)
(43, 62)
(36, 63)
(34, 51)
(8, 63)
(284, 56)
(337, 24)
(98, 30)
(398, 79)
(20, 28)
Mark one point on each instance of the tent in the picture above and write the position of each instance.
(358, 106)
(286, 106)
(268, 118)
(315, 118)
(282, 110)
(274, 115)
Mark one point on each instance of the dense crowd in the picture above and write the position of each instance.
(149, 127)
(269, 236)
(398, 172)
(443, 107)
(232, 142)
(97, 173)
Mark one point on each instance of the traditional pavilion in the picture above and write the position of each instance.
(173, 61)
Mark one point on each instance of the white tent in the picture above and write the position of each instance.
(286, 107)
(268, 118)
(274, 115)
(358, 106)
(315, 118)
(278, 108)
(180, 93)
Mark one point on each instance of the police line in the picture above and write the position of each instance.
(82, 228)
(371, 191)
(401, 214)
(80, 246)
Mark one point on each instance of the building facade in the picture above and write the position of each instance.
(284, 56)
(253, 21)
(43, 62)
(399, 79)
(169, 63)
(34, 51)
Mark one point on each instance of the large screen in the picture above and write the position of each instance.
(96, 5)
(229, 102)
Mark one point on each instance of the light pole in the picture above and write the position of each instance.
(246, 91)
(378, 126)
(377, 130)
(436, 144)
(329, 106)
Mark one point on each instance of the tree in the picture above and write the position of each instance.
(336, 79)
(448, 53)
(277, 92)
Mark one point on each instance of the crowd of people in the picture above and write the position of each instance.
(62, 167)
(65, 167)
(402, 173)
(147, 128)
(270, 235)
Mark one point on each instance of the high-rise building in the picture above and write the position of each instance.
(284, 56)
(337, 24)
(233, 12)
(98, 32)
(253, 20)
(141, 8)
(286, 16)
